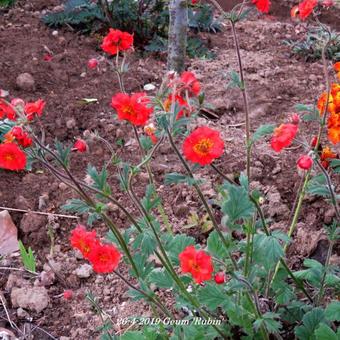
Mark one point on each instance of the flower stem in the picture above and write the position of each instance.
(245, 98)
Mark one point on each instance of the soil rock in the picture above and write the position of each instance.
(84, 271)
(8, 234)
(34, 299)
(25, 81)
(32, 222)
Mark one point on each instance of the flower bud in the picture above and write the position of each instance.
(305, 162)
(219, 278)
(92, 63)
(80, 145)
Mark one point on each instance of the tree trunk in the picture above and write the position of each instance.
(177, 40)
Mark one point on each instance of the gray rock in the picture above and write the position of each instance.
(25, 81)
(22, 314)
(22, 203)
(32, 222)
(84, 271)
(8, 234)
(34, 299)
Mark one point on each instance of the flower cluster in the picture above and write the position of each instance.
(333, 108)
(103, 257)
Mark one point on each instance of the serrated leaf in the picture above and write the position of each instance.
(310, 322)
(177, 244)
(215, 246)
(146, 242)
(212, 296)
(161, 278)
(176, 178)
(318, 186)
(332, 311)
(238, 205)
(76, 205)
(235, 80)
(262, 131)
(324, 332)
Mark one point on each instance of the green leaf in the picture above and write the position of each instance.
(268, 320)
(177, 244)
(318, 186)
(212, 296)
(63, 152)
(76, 205)
(132, 335)
(27, 257)
(237, 206)
(332, 311)
(311, 322)
(324, 332)
(215, 246)
(99, 179)
(151, 200)
(176, 178)
(262, 131)
(146, 242)
(235, 80)
(161, 278)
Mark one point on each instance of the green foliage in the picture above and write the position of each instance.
(237, 205)
(311, 47)
(268, 321)
(202, 19)
(77, 13)
(177, 244)
(310, 322)
(6, 3)
(262, 131)
(235, 80)
(324, 332)
(27, 257)
(212, 296)
(318, 186)
(332, 311)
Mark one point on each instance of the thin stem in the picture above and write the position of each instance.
(245, 98)
(151, 298)
(203, 200)
(323, 280)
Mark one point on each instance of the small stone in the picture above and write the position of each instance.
(25, 81)
(83, 75)
(47, 278)
(55, 33)
(22, 203)
(43, 199)
(62, 186)
(15, 280)
(32, 222)
(34, 299)
(22, 314)
(8, 234)
(84, 271)
(71, 123)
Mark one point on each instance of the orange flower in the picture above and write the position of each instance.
(12, 157)
(306, 8)
(183, 104)
(35, 108)
(337, 66)
(326, 155)
(203, 145)
(334, 135)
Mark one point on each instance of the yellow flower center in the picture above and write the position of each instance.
(129, 111)
(203, 147)
(9, 157)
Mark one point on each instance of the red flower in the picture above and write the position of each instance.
(35, 108)
(68, 294)
(306, 7)
(326, 156)
(190, 83)
(150, 131)
(219, 278)
(12, 157)
(203, 145)
(262, 5)
(21, 136)
(197, 263)
(104, 258)
(92, 63)
(83, 240)
(283, 136)
(6, 111)
(80, 145)
(132, 108)
(116, 41)
(304, 162)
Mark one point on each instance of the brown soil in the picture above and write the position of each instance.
(276, 82)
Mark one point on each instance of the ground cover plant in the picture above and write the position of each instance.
(238, 282)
